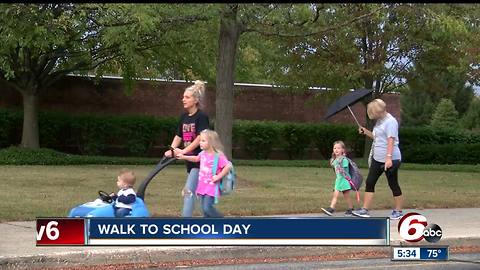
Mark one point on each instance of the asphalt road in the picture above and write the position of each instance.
(457, 261)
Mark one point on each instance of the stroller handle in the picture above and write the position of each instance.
(164, 162)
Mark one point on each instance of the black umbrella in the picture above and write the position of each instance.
(345, 102)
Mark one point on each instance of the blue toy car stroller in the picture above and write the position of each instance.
(104, 206)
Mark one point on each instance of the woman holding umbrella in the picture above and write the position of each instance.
(384, 156)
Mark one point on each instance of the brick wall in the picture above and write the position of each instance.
(158, 98)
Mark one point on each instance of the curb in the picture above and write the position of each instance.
(177, 255)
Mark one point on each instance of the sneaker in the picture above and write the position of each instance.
(396, 214)
(348, 213)
(329, 211)
(362, 212)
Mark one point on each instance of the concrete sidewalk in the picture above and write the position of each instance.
(17, 244)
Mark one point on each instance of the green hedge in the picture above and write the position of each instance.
(296, 139)
(44, 156)
(428, 135)
(92, 134)
(324, 135)
(443, 153)
(10, 127)
(360, 162)
(258, 138)
(427, 145)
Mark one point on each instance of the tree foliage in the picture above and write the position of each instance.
(283, 26)
(337, 46)
(471, 119)
(43, 42)
(444, 63)
(445, 115)
(366, 52)
(417, 107)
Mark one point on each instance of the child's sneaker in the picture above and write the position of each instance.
(329, 211)
(348, 213)
(396, 214)
(362, 212)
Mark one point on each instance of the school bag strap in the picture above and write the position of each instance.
(349, 179)
(214, 172)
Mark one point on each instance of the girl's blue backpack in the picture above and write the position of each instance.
(228, 182)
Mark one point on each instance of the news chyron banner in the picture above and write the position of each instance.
(212, 231)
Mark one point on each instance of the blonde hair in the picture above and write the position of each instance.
(342, 144)
(128, 177)
(198, 92)
(213, 140)
(376, 108)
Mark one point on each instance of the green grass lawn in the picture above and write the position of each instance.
(51, 191)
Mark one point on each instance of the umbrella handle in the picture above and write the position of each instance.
(353, 116)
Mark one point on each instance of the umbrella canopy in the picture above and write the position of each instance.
(347, 100)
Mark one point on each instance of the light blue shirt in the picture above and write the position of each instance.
(385, 128)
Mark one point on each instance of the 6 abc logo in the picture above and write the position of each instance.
(413, 228)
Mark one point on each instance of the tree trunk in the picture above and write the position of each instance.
(228, 44)
(30, 137)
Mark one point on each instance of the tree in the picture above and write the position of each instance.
(43, 42)
(371, 52)
(471, 119)
(445, 115)
(230, 31)
(443, 64)
(380, 51)
(417, 107)
(282, 21)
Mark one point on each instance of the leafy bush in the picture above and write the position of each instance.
(443, 154)
(259, 137)
(139, 132)
(471, 119)
(168, 128)
(11, 124)
(54, 129)
(326, 134)
(413, 136)
(22, 156)
(296, 139)
(91, 134)
(44, 156)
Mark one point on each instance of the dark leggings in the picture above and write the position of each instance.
(376, 170)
